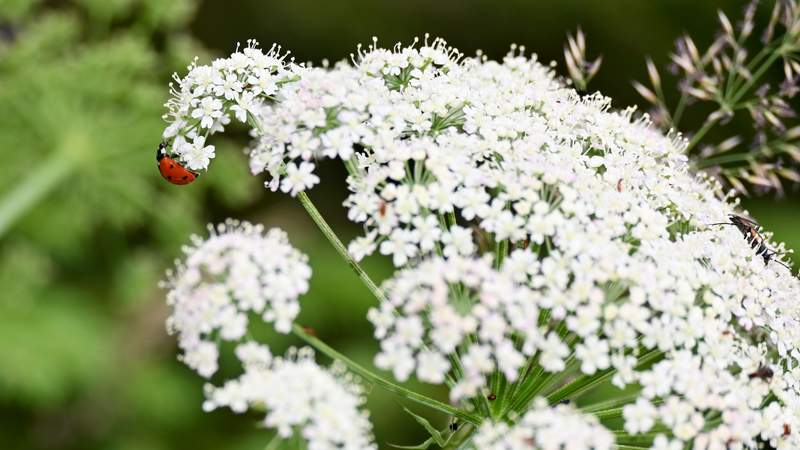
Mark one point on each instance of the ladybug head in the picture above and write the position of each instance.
(161, 151)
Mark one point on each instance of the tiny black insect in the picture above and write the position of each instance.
(750, 229)
(763, 372)
(454, 426)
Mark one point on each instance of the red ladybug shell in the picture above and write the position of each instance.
(171, 170)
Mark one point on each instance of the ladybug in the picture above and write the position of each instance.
(171, 170)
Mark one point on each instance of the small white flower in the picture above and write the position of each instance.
(432, 367)
(208, 111)
(362, 246)
(197, 155)
(593, 354)
(245, 105)
(639, 417)
(401, 246)
(458, 241)
(299, 178)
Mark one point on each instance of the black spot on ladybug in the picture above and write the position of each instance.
(185, 177)
(169, 177)
(172, 166)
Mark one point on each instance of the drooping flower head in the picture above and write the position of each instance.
(206, 99)
(237, 271)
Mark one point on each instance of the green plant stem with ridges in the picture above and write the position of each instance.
(381, 382)
(609, 404)
(338, 246)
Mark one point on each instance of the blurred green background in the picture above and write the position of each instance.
(87, 226)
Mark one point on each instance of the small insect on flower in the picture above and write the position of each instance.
(763, 373)
(750, 230)
(171, 170)
(382, 209)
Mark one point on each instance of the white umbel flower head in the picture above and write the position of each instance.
(238, 270)
(299, 396)
(540, 233)
(480, 323)
(546, 427)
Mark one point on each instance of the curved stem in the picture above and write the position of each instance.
(337, 244)
(699, 135)
(379, 381)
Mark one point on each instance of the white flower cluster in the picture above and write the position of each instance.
(238, 270)
(321, 405)
(546, 427)
(423, 325)
(204, 101)
(538, 228)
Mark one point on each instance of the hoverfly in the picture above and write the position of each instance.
(750, 230)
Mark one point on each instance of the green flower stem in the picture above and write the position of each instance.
(611, 413)
(676, 117)
(587, 382)
(501, 251)
(337, 244)
(379, 381)
(579, 386)
(735, 157)
(756, 76)
(707, 126)
(35, 186)
(609, 404)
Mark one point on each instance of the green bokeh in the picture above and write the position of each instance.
(85, 362)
